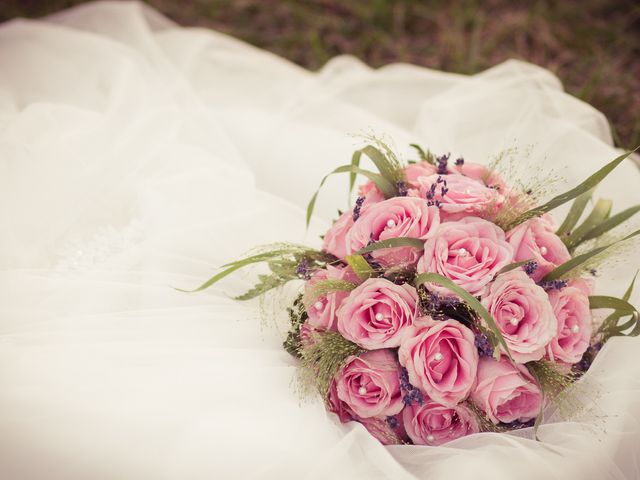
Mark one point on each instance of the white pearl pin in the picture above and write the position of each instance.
(513, 321)
(362, 391)
(379, 317)
(575, 329)
(430, 438)
(462, 252)
(318, 305)
(391, 223)
(544, 250)
(437, 357)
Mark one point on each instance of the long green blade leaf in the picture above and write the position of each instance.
(424, 156)
(360, 266)
(469, 300)
(512, 266)
(387, 188)
(388, 169)
(562, 270)
(610, 223)
(585, 186)
(599, 214)
(355, 161)
(575, 212)
(392, 243)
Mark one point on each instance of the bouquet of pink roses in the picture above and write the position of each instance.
(445, 302)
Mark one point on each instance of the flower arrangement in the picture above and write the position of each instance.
(445, 302)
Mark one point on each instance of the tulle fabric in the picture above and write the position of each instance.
(137, 156)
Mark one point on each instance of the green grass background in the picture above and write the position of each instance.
(592, 45)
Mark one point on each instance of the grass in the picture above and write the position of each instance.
(593, 46)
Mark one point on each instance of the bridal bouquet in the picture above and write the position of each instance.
(445, 302)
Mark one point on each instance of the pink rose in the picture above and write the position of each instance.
(370, 384)
(506, 393)
(441, 359)
(335, 239)
(535, 240)
(337, 406)
(482, 173)
(571, 308)
(322, 310)
(378, 313)
(435, 424)
(416, 170)
(523, 314)
(393, 218)
(470, 252)
(463, 196)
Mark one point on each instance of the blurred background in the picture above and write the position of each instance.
(593, 46)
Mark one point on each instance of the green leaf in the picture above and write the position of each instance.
(266, 283)
(355, 162)
(424, 156)
(392, 243)
(360, 266)
(610, 223)
(562, 270)
(387, 188)
(622, 308)
(322, 288)
(285, 252)
(472, 302)
(387, 168)
(512, 266)
(575, 212)
(585, 186)
(599, 214)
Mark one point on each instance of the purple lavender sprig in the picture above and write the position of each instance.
(357, 208)
(485, 349)
(553, 284)
(411, 394)
(302, 270)
(530, 267)
(442, 162)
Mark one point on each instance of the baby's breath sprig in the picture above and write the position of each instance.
(297, 316)
(321, 356)
(559, 388)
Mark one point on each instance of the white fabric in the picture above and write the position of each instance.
(136, 156)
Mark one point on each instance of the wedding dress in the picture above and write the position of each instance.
(137, 156)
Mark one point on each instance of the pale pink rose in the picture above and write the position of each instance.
(371, 193)
(536, 240)
(435, 424)
(574, 324)
(322, 311)
(462, 196)
(393, 218)
(506, 392)
(469, 252)
(370, 384)
(335, 239)
(441, 359)
(378, 313)
(523, 313)
(416, 170)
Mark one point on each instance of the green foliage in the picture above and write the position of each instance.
(321, 358)
(587, 185)
(360, 266)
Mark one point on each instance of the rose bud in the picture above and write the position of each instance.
(369, 384)
(469, 252)
(334, 241)
(378, 313)
(441, 359)
(435, 424)
(506, 392)
(523, 314)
